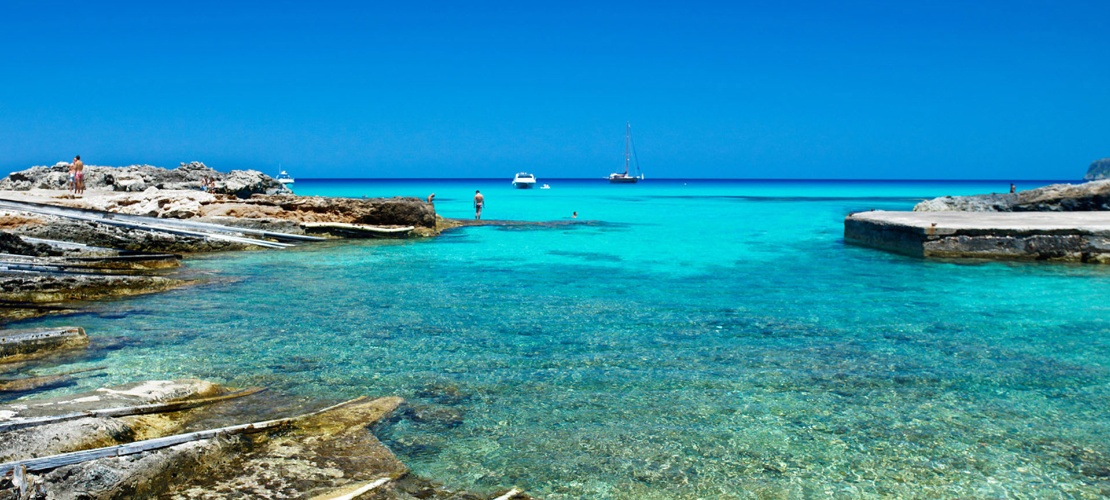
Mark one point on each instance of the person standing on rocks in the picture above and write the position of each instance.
(479, 202)
(71, 186)
(78, 175)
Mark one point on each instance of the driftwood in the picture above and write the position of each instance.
(76, 457)
(510, 494)
(23, 423)
(30, 383)
(354, 491)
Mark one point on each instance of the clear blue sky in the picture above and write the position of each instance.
(854, 89)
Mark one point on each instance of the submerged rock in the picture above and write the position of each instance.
(24, 295)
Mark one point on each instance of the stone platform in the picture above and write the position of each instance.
(1057, 236)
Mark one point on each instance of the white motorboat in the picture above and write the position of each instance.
(284, 178)
(524, 180)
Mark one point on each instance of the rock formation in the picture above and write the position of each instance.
(1099, 169)
(1089, 196)
(136, 178)
(12, 244)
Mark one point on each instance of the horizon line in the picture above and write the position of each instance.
(760, 179)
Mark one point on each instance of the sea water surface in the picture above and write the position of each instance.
(681, 339)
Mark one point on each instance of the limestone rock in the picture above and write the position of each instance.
(1089, 196)
(1099, 169)
(244, 183)
(93, 432)
(10, 243)
(139, 178)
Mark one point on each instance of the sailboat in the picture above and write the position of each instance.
(629, 153)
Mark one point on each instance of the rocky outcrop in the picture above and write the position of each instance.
(91, 432)
(1089, 196)
(135, 445)
(17, 345)
(10, 243)
(1099, 169)
(377, 211)
(24, 289)
(138, 178)
(122, 238)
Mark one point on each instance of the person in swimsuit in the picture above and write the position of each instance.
(72, 185)
(479, 201)
(78, 175)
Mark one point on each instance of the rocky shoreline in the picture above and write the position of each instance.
(143, 210)
(1060, 222)
(126, 235)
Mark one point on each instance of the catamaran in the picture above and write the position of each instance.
(629, 154)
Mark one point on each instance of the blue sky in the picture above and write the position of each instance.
(854, 89)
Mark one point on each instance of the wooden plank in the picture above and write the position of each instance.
(353, 491)
(22, 423)
(511, 494)
(76, 457)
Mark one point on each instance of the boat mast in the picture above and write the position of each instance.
(627, 145)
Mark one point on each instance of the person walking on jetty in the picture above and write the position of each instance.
(78, 175)
(479, 202)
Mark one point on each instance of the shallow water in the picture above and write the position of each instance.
(684, 340)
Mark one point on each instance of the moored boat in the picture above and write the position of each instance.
(284, 178)
(629, 154)
(524, 180)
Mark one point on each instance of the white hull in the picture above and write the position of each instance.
(524, 180)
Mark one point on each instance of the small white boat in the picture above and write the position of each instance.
(629, 154)
(545, 186)
(524, 180)
(284, 178)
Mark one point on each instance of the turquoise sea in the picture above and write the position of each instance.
(681, 339)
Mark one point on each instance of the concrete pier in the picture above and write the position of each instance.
(1057, 236)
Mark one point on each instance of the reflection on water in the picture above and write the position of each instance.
(709, 348)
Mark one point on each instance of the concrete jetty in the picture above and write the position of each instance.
(1056, 236)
